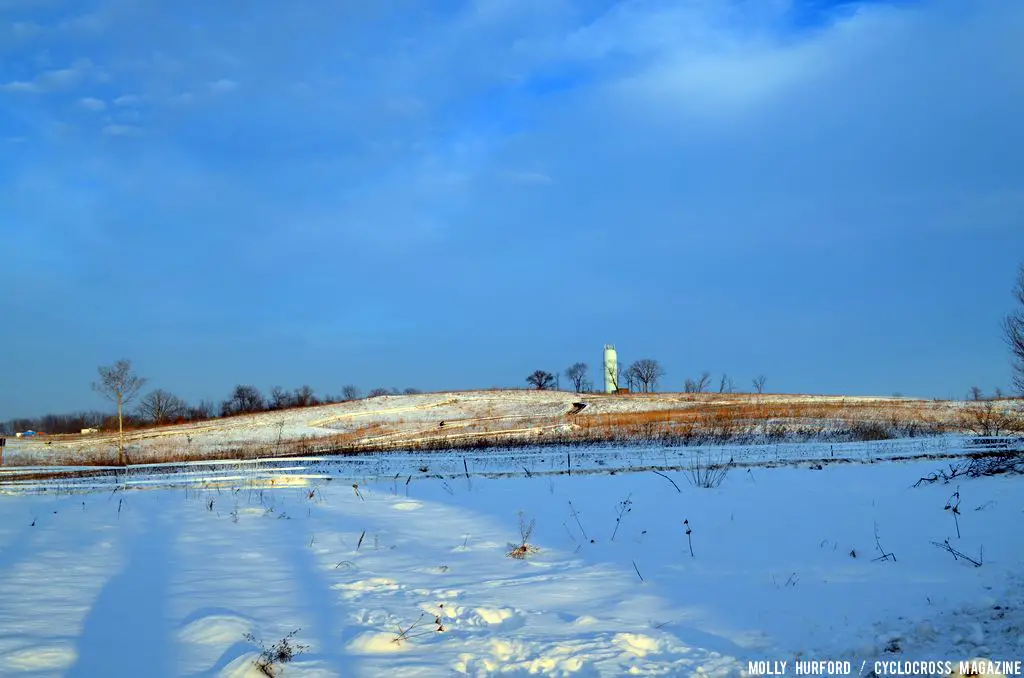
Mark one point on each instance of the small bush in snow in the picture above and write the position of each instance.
(417, 628)
(707, 473)
(1009, 462)
(524, 548)
(281, 652)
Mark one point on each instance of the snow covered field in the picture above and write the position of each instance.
(164, 572)
(458, 419)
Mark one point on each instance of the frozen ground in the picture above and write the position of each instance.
(164, 573)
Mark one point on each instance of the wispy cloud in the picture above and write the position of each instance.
(117, 130)
(223, 85)
(21, 86)
(92, 103)
(57, 79)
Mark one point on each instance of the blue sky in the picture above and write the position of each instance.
(453, 194)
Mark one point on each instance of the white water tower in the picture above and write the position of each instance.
(611, 369)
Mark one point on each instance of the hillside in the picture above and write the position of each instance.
(469, 419)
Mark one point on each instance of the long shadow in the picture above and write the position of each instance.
(128, 631)
(322, 603)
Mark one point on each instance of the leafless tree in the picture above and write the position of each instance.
(350, 392)
(244, 400)
(412, 391)
(204, 410)
(759, 382)
(1013, 329)
(975, 394)
(378, 392)
(304, 397)
(646, 372)
(160, 407)
(119, 384)
(698, 385)
(725, 384)
(632, 381)
(577, 374)
(541, 380)
(280, 399)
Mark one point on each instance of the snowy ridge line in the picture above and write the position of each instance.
(519, 462)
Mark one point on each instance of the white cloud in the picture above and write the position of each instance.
(55, 79)
(16, 36)
(92, 103)
(21, 86)
(117, 130)
(65, 78)
(127, 100)
(223, 85)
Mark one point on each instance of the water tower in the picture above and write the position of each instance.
(611, 369)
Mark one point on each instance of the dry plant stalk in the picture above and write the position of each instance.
(525, 548)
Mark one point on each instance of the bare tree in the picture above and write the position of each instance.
(759, 382)
(378, 392)
(975, 394)
(698, 385)
(577, 374)
(1013, 329)
(244, 399)
(304, 397)
(160, 407)
(541, 380)
(119, 384)
(412, 391)
(725, 384)
(350, 392)
(204, 410)
(280, 399)
(646, 372)
(631, 378)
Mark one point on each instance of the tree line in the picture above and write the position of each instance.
(119, 384)
(642, 375)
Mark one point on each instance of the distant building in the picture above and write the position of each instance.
(86, 431)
